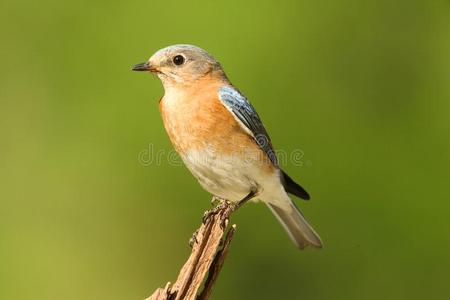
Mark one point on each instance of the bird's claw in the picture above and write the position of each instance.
(217, 200)
(211, 212)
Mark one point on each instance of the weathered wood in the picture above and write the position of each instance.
(208, 255)
(216, 265)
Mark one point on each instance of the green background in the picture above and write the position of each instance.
(361, 87)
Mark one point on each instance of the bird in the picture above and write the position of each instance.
(221, 138)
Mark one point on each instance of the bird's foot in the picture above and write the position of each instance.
(213, 211)
(217, 200)
(244, 200)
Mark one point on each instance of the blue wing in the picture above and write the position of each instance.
(244, 112)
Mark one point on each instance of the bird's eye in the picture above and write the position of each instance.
(178, 60)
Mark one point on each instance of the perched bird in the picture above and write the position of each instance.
(221, 138)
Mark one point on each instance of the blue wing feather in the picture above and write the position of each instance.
(244, 111)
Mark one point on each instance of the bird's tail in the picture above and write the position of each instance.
(300, 232)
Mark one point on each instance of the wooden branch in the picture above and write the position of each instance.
(208, 255)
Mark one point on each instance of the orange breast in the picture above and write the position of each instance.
(195, 119)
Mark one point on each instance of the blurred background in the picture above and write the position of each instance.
(360, 87)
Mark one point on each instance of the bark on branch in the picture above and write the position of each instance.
(208, 254)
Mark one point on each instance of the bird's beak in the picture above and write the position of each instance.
(142, 67)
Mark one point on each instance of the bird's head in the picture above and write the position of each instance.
(181, 64)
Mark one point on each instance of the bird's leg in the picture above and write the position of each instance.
(216, 200)
(245, 199)
(235, 205)
(222, 203)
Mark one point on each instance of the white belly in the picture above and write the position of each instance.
(224, 176)
(229, 177)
